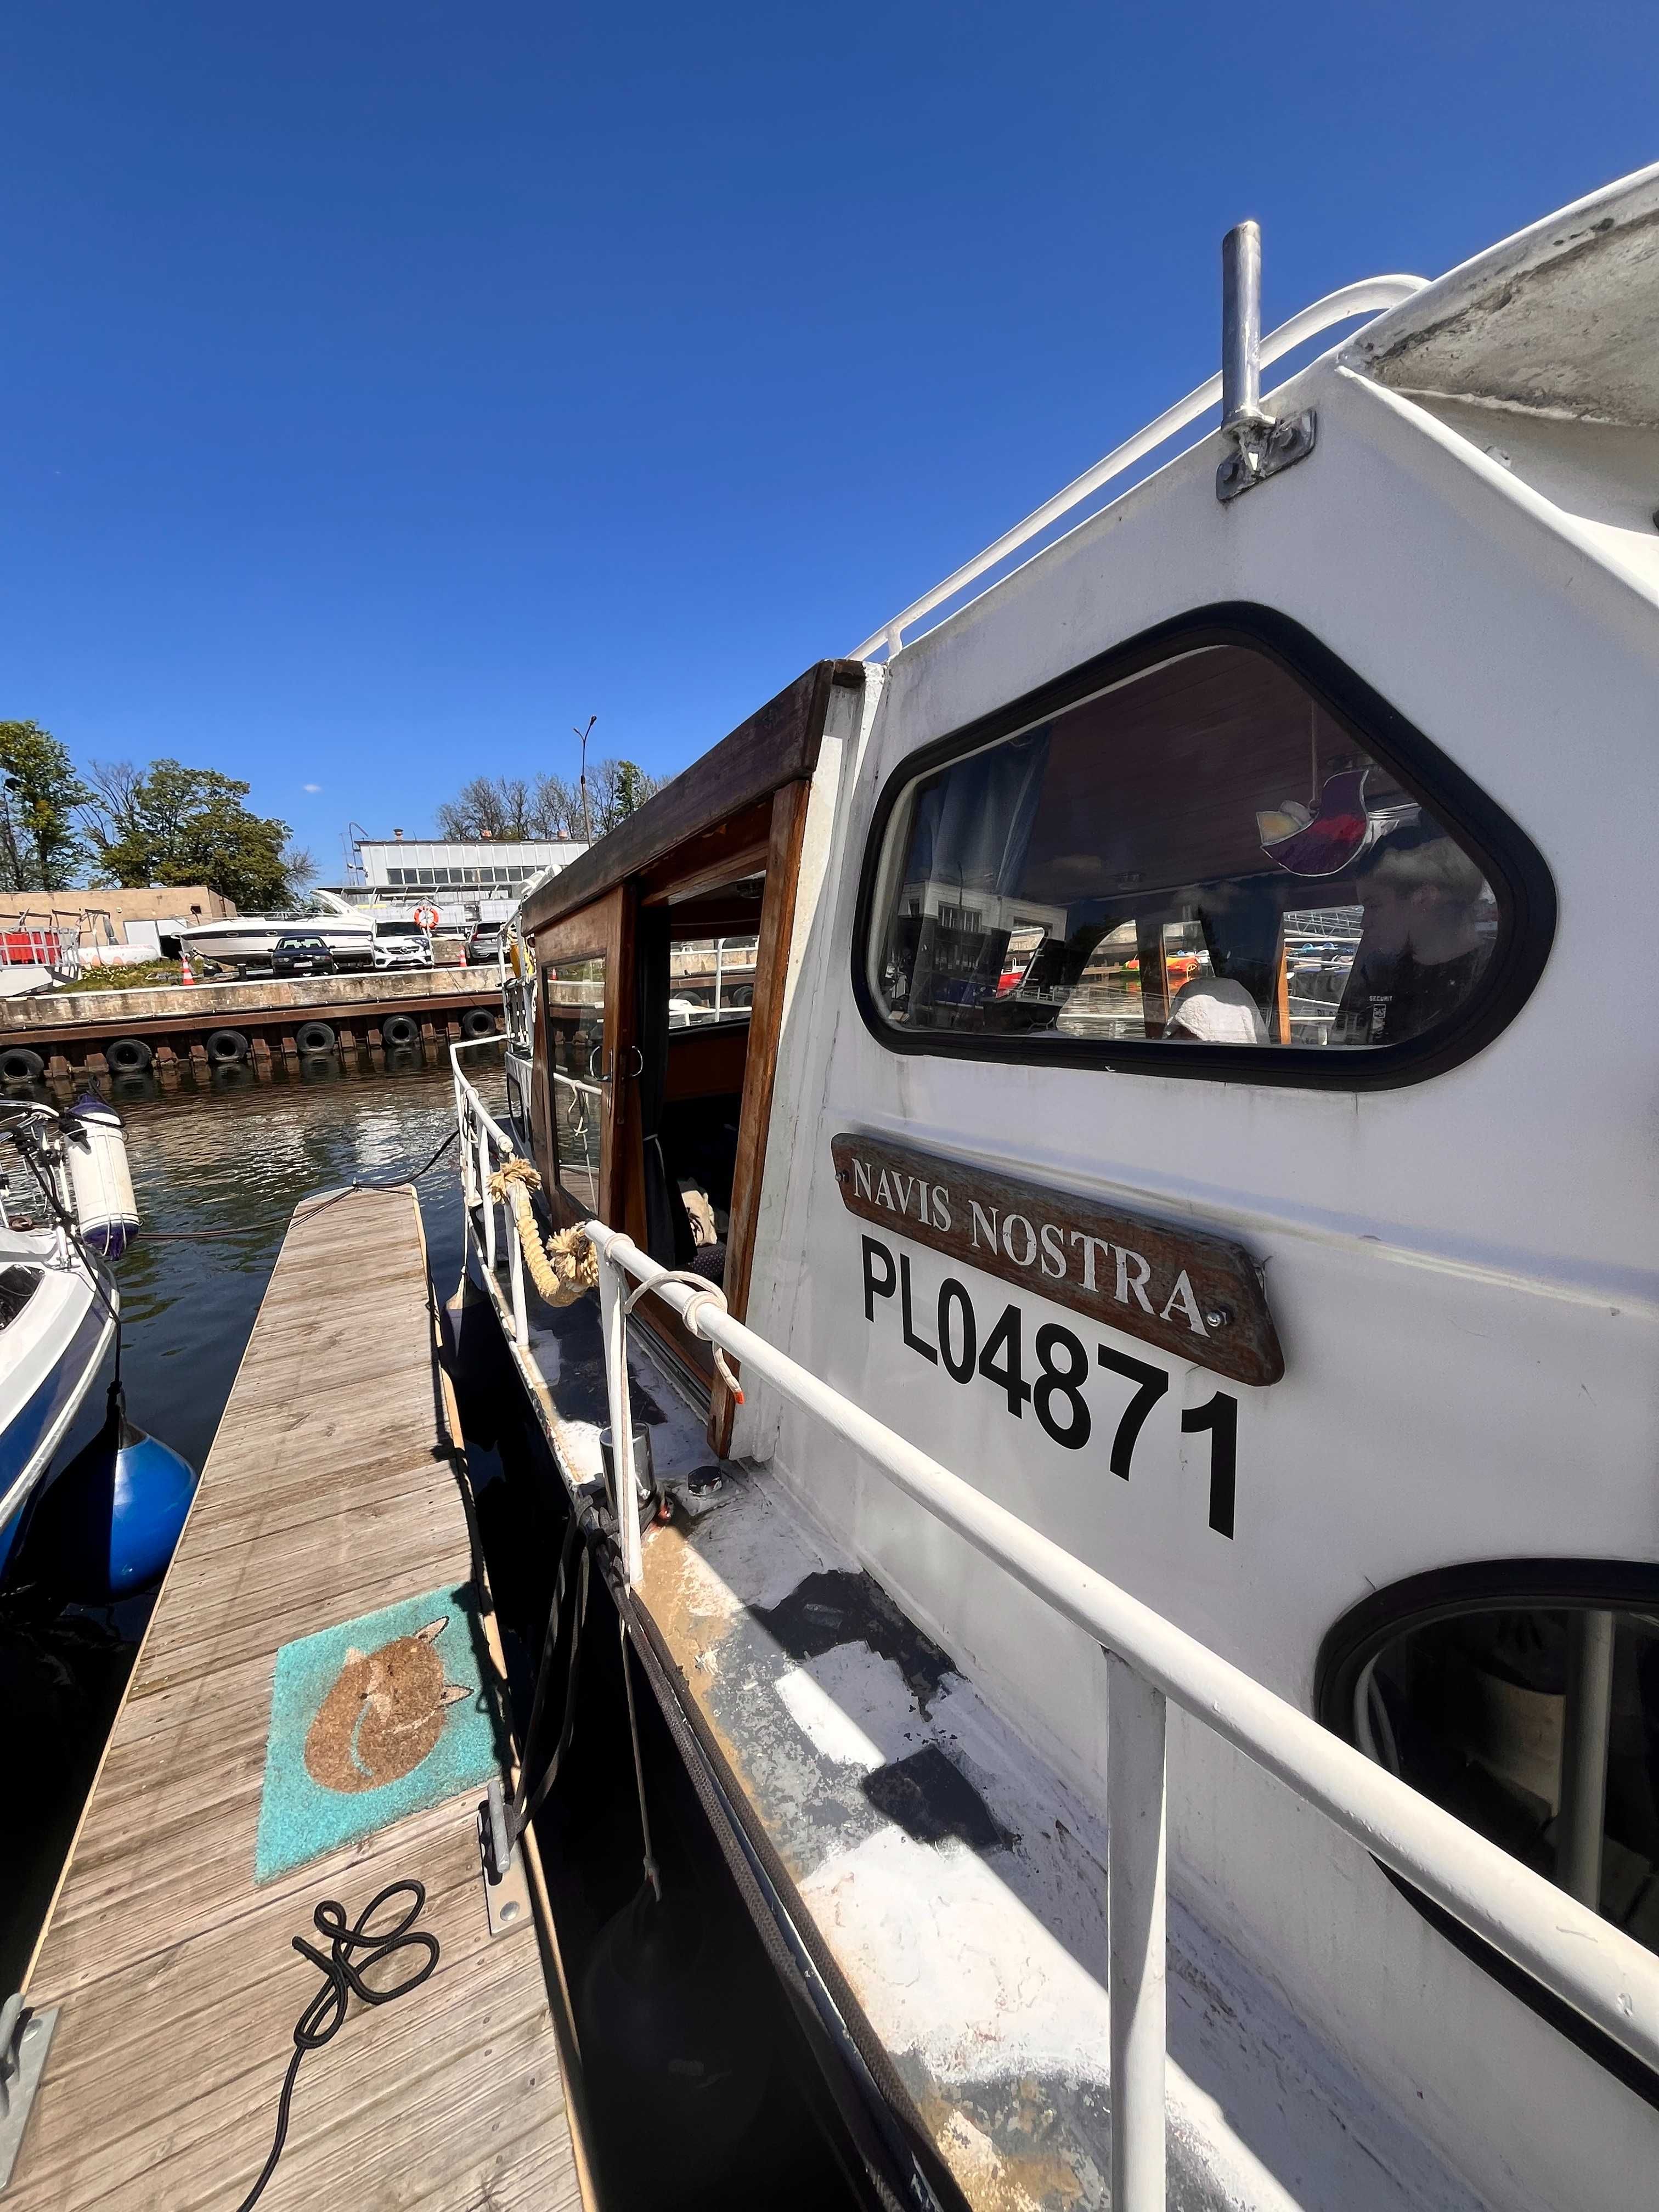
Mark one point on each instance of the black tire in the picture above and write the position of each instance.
(477, 1021)
(226, 1046)
(19, 1065)
(129, 1056)
(314, 1036)
(400, 1030)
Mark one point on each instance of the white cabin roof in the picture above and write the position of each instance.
(1557, 321)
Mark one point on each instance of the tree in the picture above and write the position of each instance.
(489, 807)
(173, 824)
(40, 849)
(558, 809)
(617, 789)
(499, 806)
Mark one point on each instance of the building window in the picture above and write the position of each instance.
(1521, 1696)
(1200, 859)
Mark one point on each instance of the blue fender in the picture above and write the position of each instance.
(106, 1526)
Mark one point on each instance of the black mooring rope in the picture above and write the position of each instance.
(324, 2015)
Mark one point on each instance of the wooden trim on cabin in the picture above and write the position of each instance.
(603, 929)
(777, 930)
(776, 746)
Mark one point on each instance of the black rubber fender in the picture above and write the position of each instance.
(400, 1029)
(19, 1065)
(226, 1046)
(477, 1022)
(314, 1036)
(129, 1056)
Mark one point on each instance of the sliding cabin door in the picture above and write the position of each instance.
(625, 1078)
(586, 1059)
(707, 1064)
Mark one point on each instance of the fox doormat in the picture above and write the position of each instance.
(369, 1720)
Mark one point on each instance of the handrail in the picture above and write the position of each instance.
(1371, 295)
(1602, 1974)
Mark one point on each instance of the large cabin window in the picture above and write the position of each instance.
(1202, 855)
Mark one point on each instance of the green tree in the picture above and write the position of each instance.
(173, 824)
(617, 789)
(40, 849)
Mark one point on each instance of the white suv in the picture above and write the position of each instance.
(402, 945)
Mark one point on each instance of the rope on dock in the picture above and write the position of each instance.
(564, 1269)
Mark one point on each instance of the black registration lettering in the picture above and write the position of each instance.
(1064, 1366)
(1056, 1392)
(953, 1299)
(1220, 1417)
(1151, 1382)
(876, 1287)
(916, 1343)
(1003, 1340)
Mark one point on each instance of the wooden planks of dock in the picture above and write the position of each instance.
(328, 1493)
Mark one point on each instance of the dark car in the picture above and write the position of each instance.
(302, 955)
(484, 947)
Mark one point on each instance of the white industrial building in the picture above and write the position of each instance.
(467, 880)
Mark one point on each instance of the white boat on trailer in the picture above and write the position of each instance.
(1175, 1229)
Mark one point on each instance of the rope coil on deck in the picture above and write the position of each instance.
(564, 1269)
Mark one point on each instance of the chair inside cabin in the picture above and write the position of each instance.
(695, 964)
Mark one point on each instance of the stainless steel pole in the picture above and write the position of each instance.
(1241, 326)
(1135, 1935)
(1584, 1756)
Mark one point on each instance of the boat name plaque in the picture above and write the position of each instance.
(1196, 1296)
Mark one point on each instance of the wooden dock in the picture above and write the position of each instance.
(330, 1492)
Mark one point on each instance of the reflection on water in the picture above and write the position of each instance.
(233, 1157)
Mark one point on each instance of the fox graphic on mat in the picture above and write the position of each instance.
(383, 1714)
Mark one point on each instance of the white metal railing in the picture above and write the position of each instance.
(1591, 1966)
(1372, 295)
(484, 1146)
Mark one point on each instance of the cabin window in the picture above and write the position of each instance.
(1202, 855)
(1524, 1698)
(574, 999)
(710, 979)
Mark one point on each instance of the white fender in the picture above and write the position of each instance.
(100, 1182)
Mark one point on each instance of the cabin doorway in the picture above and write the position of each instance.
(658, 1012)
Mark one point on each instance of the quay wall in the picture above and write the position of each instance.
(73, 1030)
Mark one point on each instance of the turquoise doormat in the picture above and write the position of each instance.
(370, 1721)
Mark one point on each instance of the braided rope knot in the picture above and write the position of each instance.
(703, 1293)
(564, 1269)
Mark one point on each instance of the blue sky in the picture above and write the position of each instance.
(388, 388)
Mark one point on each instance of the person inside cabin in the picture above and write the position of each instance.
(1430, 925)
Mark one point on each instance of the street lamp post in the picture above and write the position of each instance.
(582, 738)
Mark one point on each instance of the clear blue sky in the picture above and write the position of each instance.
(386, 388)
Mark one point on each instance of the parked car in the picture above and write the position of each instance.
(484, 946)
(401, 944)
(302, 956)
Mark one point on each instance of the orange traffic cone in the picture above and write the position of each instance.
(185, 973)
